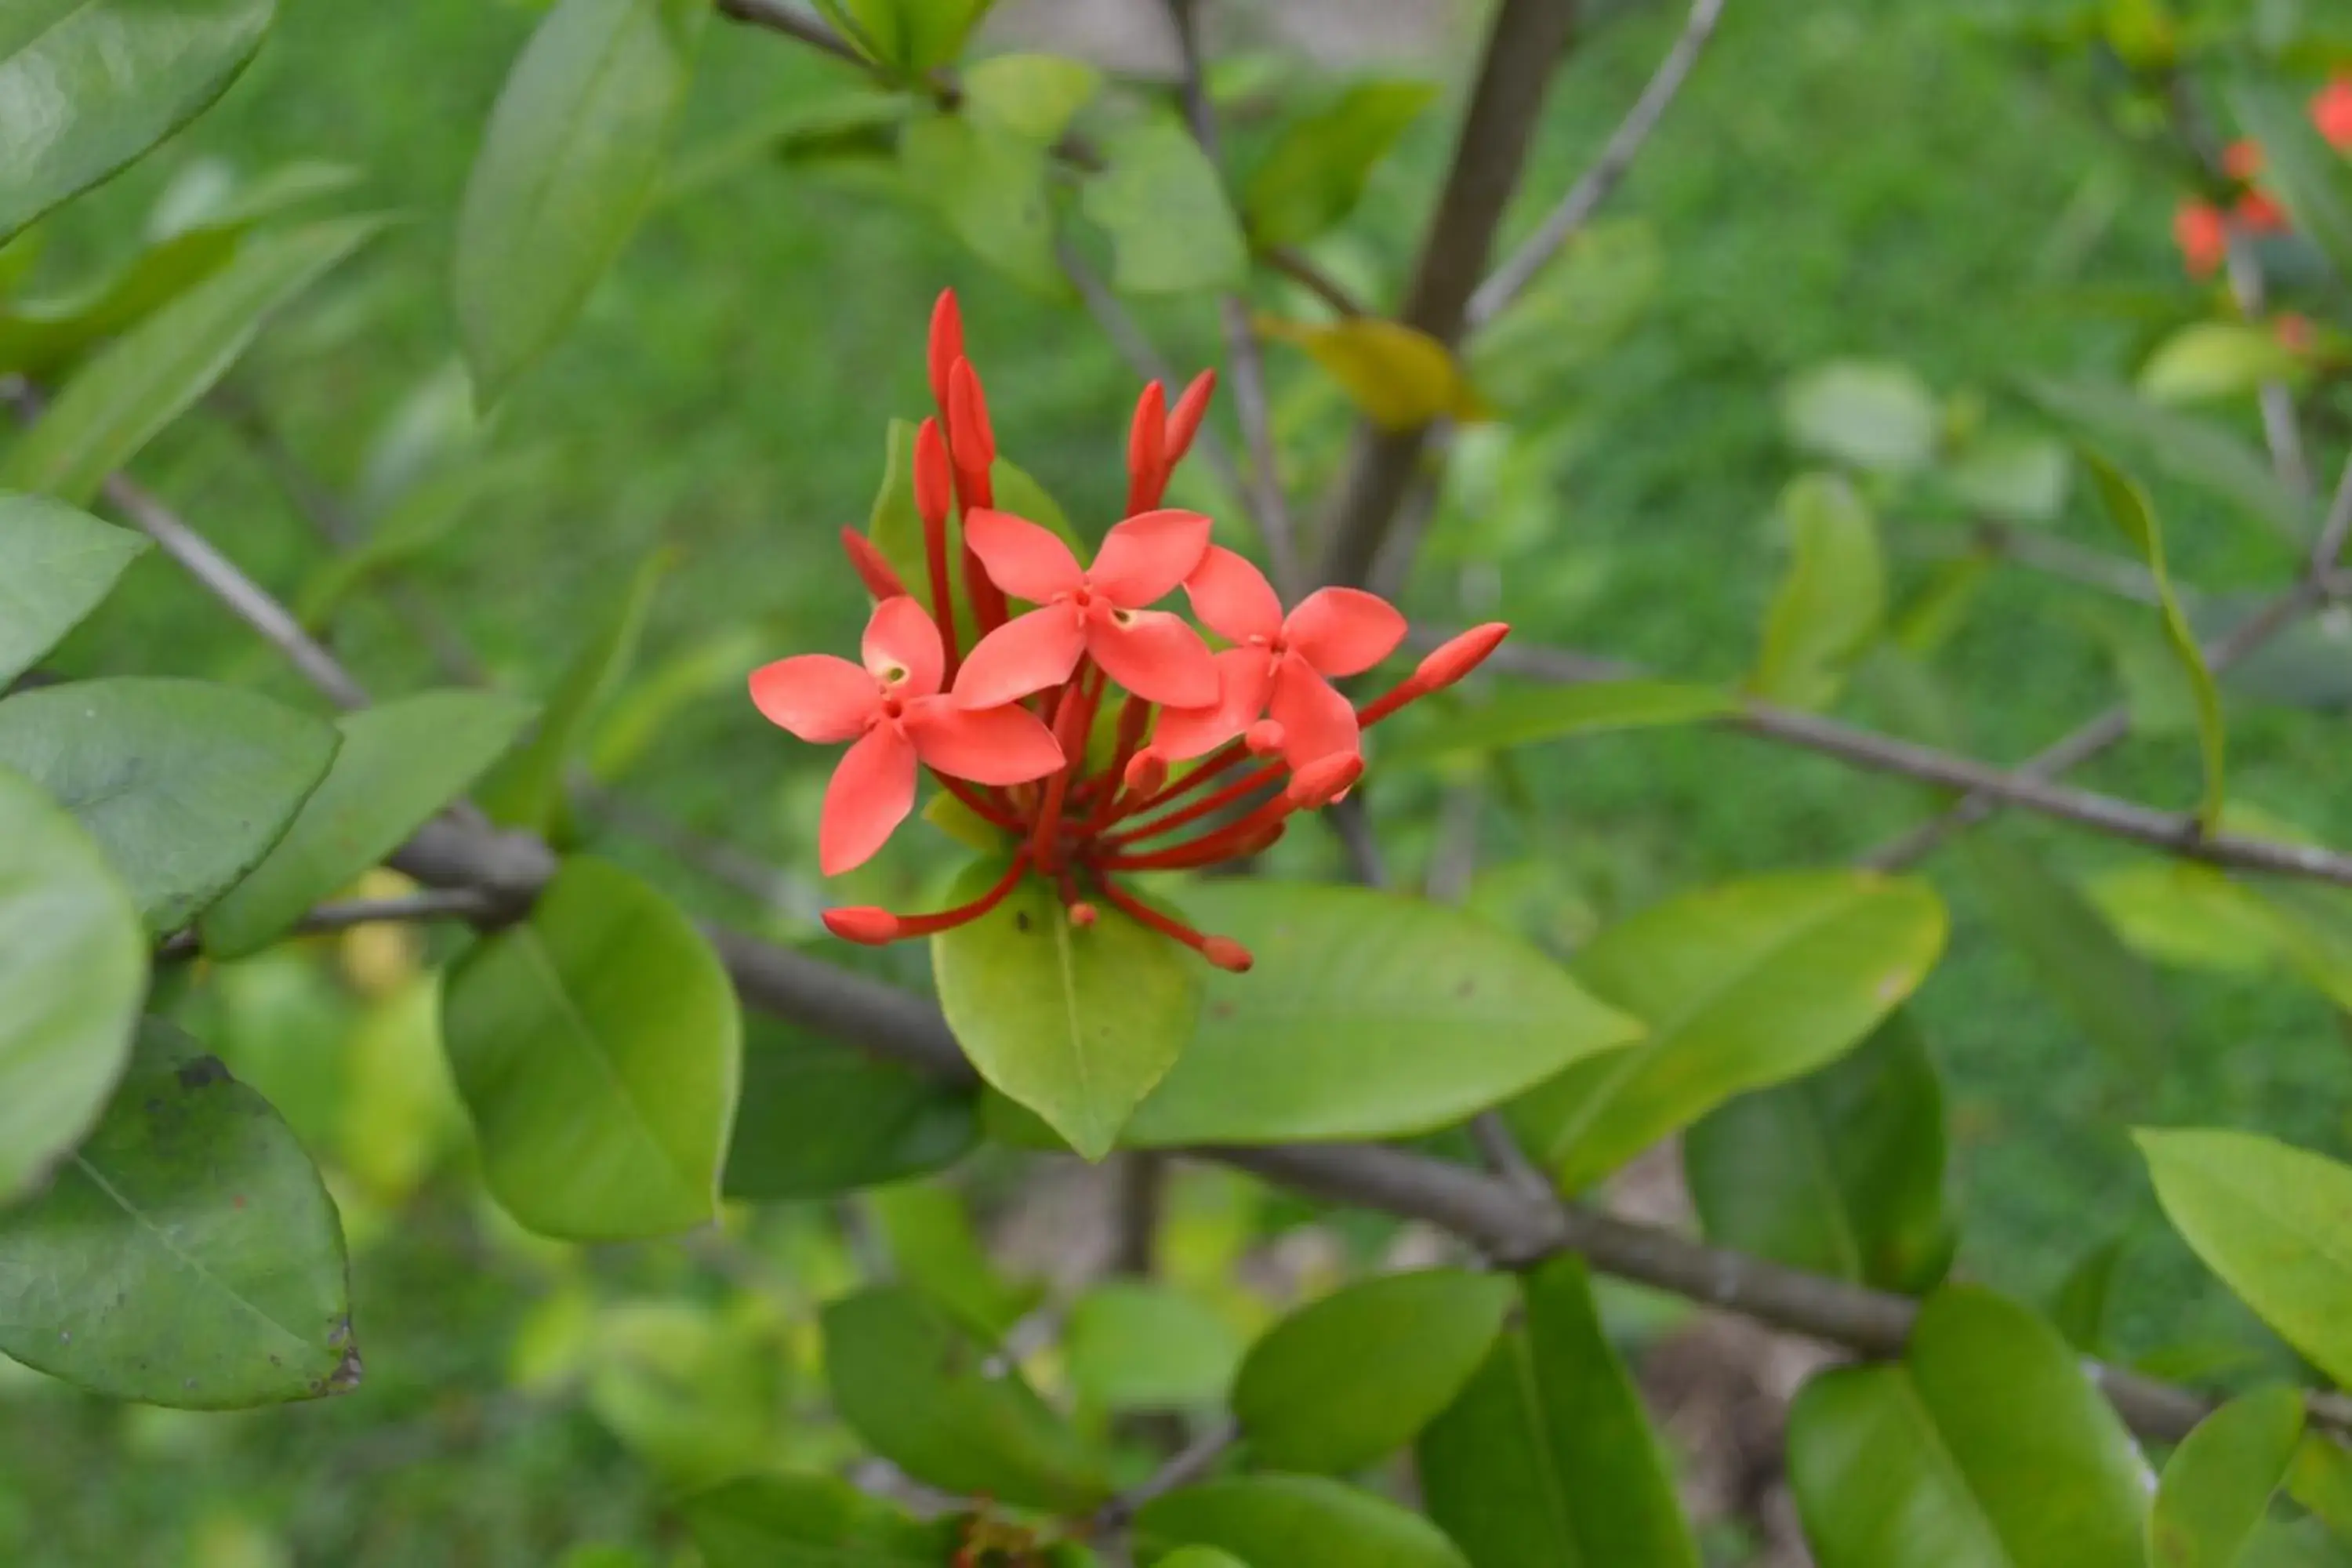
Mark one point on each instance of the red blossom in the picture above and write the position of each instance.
(2203, 234)
(2331, 111)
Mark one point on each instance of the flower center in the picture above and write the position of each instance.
(892, 707)
(1082, 596)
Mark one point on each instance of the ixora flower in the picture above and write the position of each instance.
(1010, 726)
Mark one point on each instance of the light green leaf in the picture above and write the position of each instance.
(2208, 361)
(2193, 451)
(1547, 1456)
(1164, 207)
(1314, 174)
(936, 1404)
(2321, 1481)
(1136, 1345)
(2270, 1220)
(1369, 1016)
(989, 186)
(1075, 1023)
(573, 151)
(1866, 414)
(145, 379)
(2188, 915)
(1307, 1396)
(2109, 993)
(1200, 1557)
(2015, 478)
(1742, 986)
(819, 1119)
(86, 85)
(526, 789)
(694, 1394)
(1986, 1446)
(183, 784)
(908, 36)
(1829, 604)
(2128, 505)
(187, 1255)
(1297, 1521)
(809, 1521)
(398, 765)
(596, 1046)
(1527, 716)
(57, 565)
(2217, 1486)
(2306, 174)
(411, 526)
(934, 1247)
(73, 972)
(1840, 1172)
(643, 710)
(1035, 96)
(1400, 376)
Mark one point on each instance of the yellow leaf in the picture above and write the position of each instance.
(1401, 378)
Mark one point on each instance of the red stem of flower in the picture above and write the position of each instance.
(1073, 718)
(1129, 904)
(1247, 785)
(1216, 763)
(964, 914)
(1134, 718)
(994, 815)
(1254, 835)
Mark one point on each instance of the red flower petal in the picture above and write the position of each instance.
(1343, 631)
(1025, 559)
(2331, 112)
(1317, 721)
(1025, 656)
(1232, 597)
(1143, 559)
(1154, 655)
(1243, 676)
(986, 745)
(815, 696)
(947, 344)
(901, 641)
(871, 792)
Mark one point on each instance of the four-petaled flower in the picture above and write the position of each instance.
(892, 711)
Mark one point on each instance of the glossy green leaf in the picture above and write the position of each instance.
(990, 186)
(1369, 1015)
(573, 151)
(1297, 1521)
(2301, 170)
(57, 565)
(1547, 1456)
(92, 84)
(1034, 96)
(2193, 451)
(935, 1247)
(2270, 1220)
(2320, 1480)
(1840, 1172)
(1986, 1446)
(1831, 600)
(1308, 1398)
(187, 1255)
(1530, 715)
(928, 1399)
(73, 972)
(818, 1118)
(2217, 1486)
(1136, 1345)
(1164, 207)
(1742, 986)
(2104, 988)
(2128, 506)
(1077, 1024)
(526, 789)
(1314, 174)
(184, 785)
(398, 765)
(2208, 361)
(596, 1046)
(809, 1521)
(1863, 413)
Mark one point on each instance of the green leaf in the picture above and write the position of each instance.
(596, 1046)
(933, 1402)
(2217, 1486)
(2270, 1220)
(1200, 1557)
(2206, 362)
(1297, 1521)
(92, 84)
(1527, 716)
(1134, 1345)
(57, 565)
(1742, 986)
(2128, 505)
(574, 150)
(2188, 915)
(145, 379)
(1547, 1456)
(2306, 174)
(989, 186)
(2015, 478)
(2078, 1309)
(1829, 606)
(73, 973)
(1307, 1395)
(1369, 1016)
(526, 789)
(411, 526)
(1986, 1446)
(934, 1247)
(2194, 452)
(398, 765)
(187, 1255)
(819, 1119)
(2321, 1481)
(1400, 376)
(910, 37)
(1035, 96)
(1161, 201)
(1314, 174)
(1077, 1024)
(1865, 414)
(1840, 1172)
(184, 785)
(2104, 988)
(809, 1521)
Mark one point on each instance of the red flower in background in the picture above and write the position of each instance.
(2331, 111)
(2203, 234)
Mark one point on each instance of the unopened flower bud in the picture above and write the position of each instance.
(1227, 954)
(1314, 785)
(863, 923)
(881, 579)
(1459, 657)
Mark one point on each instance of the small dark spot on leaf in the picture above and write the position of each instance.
(65, 1336)
(202, 1071)
(238, 1201)
(1466, 987)
(1021, 919)
(1221, 1009)
(276, 1361)
(187, 1383)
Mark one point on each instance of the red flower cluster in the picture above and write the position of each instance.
(2203, 230)
(1009, 728)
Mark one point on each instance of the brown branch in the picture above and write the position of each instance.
(409, 908)
(778, 16)
(1284, 259)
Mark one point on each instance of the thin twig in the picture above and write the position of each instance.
(1313, 279)
(1597, 183)
(721, 862)
(432, 904)
(1196, 1459)
(778, 16)
(1351, 821)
